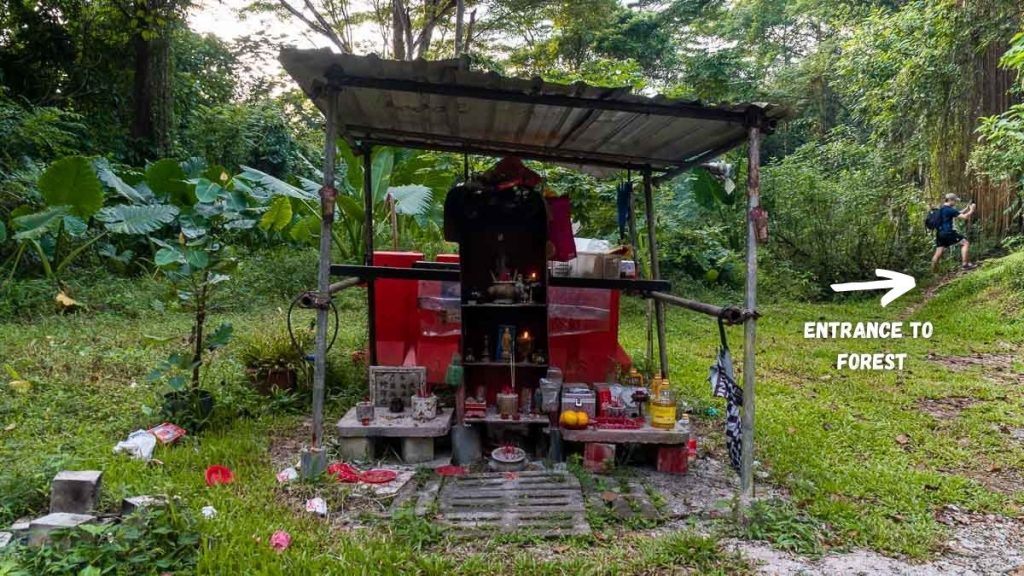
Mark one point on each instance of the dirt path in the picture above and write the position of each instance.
(979, 545)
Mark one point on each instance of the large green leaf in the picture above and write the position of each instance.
(278, 216)
(75, 226)
(383, 162)
(274, 185)
(35, 226)
(125, 219)
(305, 229)
(72, 182)
(3, 233)
(708, 191)
(108, 177)
(167, 180)
(206, 191)
(168, 256)
(350, 167)
(219, 337)
(411, 199)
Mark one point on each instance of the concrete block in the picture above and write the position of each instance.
(356, 448)
(75, 492)
(416, 450)
(599, 456)
(129, 505)
(40, 528)
(5, 539)
(673, 459)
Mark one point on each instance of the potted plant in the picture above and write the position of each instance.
(272, 361)
(198, 260)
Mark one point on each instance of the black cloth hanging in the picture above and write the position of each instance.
(623, 202)
(723, 384)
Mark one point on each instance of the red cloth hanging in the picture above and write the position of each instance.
(560, 237)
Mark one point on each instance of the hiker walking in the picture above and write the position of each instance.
(946, 235)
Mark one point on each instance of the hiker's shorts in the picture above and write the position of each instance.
(948, 239)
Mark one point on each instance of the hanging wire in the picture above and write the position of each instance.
(291, 332)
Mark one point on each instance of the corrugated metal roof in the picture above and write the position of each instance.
(442, 105)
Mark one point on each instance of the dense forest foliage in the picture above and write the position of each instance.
(116, 120)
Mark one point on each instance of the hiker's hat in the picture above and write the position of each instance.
(951, 197)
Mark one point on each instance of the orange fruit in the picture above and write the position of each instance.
(582, 419)
(569, 419)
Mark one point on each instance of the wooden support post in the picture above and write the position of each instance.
(327, 198)
(371, 304)
(750, 326)
(659, 308)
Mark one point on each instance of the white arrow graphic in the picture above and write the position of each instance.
(898, 284)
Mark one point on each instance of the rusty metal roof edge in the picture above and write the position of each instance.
(478, 84)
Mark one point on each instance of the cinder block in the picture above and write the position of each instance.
(356, 448)
(75, 492)
(129, 505)
(673, 459)
(416, 450)
(599, 457)
(40, 528)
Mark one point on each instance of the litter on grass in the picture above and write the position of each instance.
(317, 506)
(209, 512)
(280, 540)
(167, 433)
(217, 475)
(287, 475)
(139, 445)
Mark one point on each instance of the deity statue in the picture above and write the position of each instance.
(506, 344)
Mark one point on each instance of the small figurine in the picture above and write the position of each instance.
(505, 348)
(485, 356)
(469, 355)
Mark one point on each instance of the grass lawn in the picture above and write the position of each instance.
(858, 452)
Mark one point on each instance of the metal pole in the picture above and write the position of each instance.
(729, 314)
(750, 326)
(327, 198)
(659, 308)
(371, 303)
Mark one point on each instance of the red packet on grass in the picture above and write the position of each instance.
(167, 433)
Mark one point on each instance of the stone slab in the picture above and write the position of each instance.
(645, 435)
(129, 505)
(388, 425)
(75, 491)
(40, 528)
(20, 526)
(5, 539)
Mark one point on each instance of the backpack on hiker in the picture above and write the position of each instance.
(933, 220)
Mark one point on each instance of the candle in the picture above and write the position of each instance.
(524, 345)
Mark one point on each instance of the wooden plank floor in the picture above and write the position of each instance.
(538, 503)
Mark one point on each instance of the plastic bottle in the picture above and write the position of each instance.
(663, 406)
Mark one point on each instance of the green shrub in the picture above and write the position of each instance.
(152, 541)
(837, 212)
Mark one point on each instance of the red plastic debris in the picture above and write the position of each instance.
(217, 475)
(378, 476)
(344, 472)
(450, 470)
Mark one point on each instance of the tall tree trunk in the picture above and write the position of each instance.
(397, 30)
(153, 101)
(460, 15)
